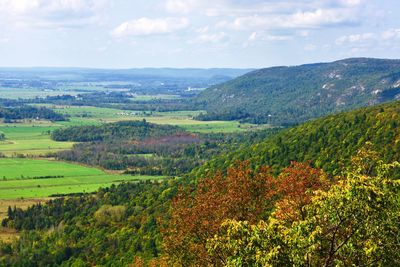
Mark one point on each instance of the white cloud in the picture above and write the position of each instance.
(310, 47)
(148, 26)
(252, 36)
(212, 38)
(364, 42)
(45, 13)
(204, 36)
(354, 38)
(320, 18)
(391, 34)
(350, 3)
(270, 37)
(181, 6)
(300, 20)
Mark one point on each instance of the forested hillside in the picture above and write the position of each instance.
(108, 228)
(329, 143)
(289, 95)
(263, 210)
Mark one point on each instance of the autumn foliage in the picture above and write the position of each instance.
(355, 222)
(244, 195)
(295, 186)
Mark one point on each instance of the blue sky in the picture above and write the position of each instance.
(195, 33)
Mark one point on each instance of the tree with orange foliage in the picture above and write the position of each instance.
(353, 223)
(295, 185)
(243, 194)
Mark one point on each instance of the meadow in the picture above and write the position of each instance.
(26, 181)
(26, 93)
(184, 119)
(33, 137)
(30, 139)
(37, 178)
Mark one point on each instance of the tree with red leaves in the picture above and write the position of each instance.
(243, 194)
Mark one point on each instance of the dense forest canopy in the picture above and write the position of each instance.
(329, 143)
(10, 114)
(291, 95)
(139, 147)
(128, 130)
(266, 210)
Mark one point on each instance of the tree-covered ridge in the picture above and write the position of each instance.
(329, 143)
(127, 130)
(296, 94)
(10, 114)
(282, 215)
(108, 228)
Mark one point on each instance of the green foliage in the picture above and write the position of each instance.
(128, 130)
(295, 94)
(108, 214)
(166, 152)
(28, 112)
(244, 194)
(329, 143)
(105, 229)
(354, 223)
(357, 217)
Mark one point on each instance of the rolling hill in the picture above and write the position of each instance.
(116, 224)
(290, 95)
(328, 143)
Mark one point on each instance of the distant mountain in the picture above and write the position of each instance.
(134, 74)
(328, 143)
(287, 95)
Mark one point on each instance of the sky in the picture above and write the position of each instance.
(195, 33)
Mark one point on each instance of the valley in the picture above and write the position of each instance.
(102, 163)
(29, 172)
(224, 133)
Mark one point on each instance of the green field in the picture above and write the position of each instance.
(33, 138)
(30, 139)
(67, 88)
(26, 93)
(19, 178)
(95, 115)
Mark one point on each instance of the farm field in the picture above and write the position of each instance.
(26, 93)
(30, 139)
(33, 138)
(20, 182)
(33, 178)
(68, 88)
(184, 119)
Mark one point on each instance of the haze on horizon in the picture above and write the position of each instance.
(194, 33)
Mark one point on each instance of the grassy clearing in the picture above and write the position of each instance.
(33, 138)
(19, 203)
(30, 138)
(27, 93)
(16, 178)
(94, 115)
